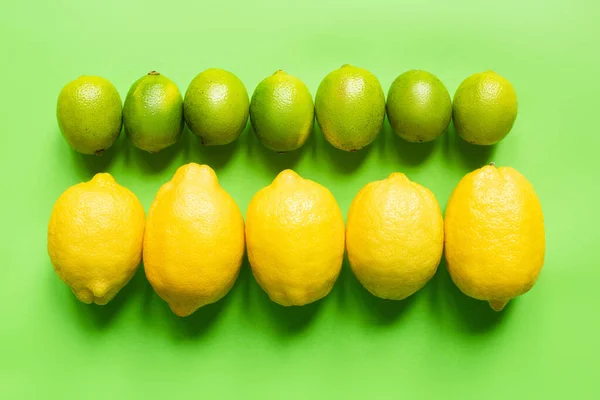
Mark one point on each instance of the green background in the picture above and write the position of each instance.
(438, 343)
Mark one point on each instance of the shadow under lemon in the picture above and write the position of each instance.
(196, 324)
(278, 319)
(101, 317)
(203, 320)
(352, 294)
(468, 314)
(193, 326)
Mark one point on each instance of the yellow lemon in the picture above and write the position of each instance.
(194, 241)
(495, 240)
(95, 238)
(295, 237)
(394, 236)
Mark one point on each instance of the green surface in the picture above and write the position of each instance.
(437, 344)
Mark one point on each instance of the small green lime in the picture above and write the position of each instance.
(418, 106)
(282, 112)
(350, 107)
(153, 113)
(89, 114)
(484, 108)
(216, 106)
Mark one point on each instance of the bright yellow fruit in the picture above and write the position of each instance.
(95, 238)
(295, 237)
(194, 241)
(495, 240)
(394, 236)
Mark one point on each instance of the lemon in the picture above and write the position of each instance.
(194, 241)
(153, 113)
(350, 107)
(282, 112)
(295, 239)
(484, 108)
(494, 235)
(215, 106)
(89, 114)
(418, 106)
(95, 238)
(394, 237)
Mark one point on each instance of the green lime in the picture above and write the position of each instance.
(485, 108)
(418, 106)
(216, 106)
(153, 113)
(89, 114)
(282, 112)
(350, 107)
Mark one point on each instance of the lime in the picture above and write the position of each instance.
(153, 113)
(418, 106)
(89, 114)
(350, 107)
(216, 106)
(282, 112)
(485, 108)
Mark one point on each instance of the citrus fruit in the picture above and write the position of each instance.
(282, 112)
(350, 108)
(484, 108)
(394, 236)
(89, 114)
(215, 106)
(95, 238)
(418, 106)
(153, 113)
(194, 240)
(494, 235)
(295, 239)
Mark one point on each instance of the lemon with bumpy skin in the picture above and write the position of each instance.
(494, 235)
(282, 112)
(295, 239)
(394, 237)
(484, 108)
(194, 241)
(216, 106)
(95, 238)
(350, 107)
(89, 114)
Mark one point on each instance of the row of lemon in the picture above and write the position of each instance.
(350, 107)
(194, 239)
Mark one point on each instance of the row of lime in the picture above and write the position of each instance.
(194, 238)
(349, 106)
